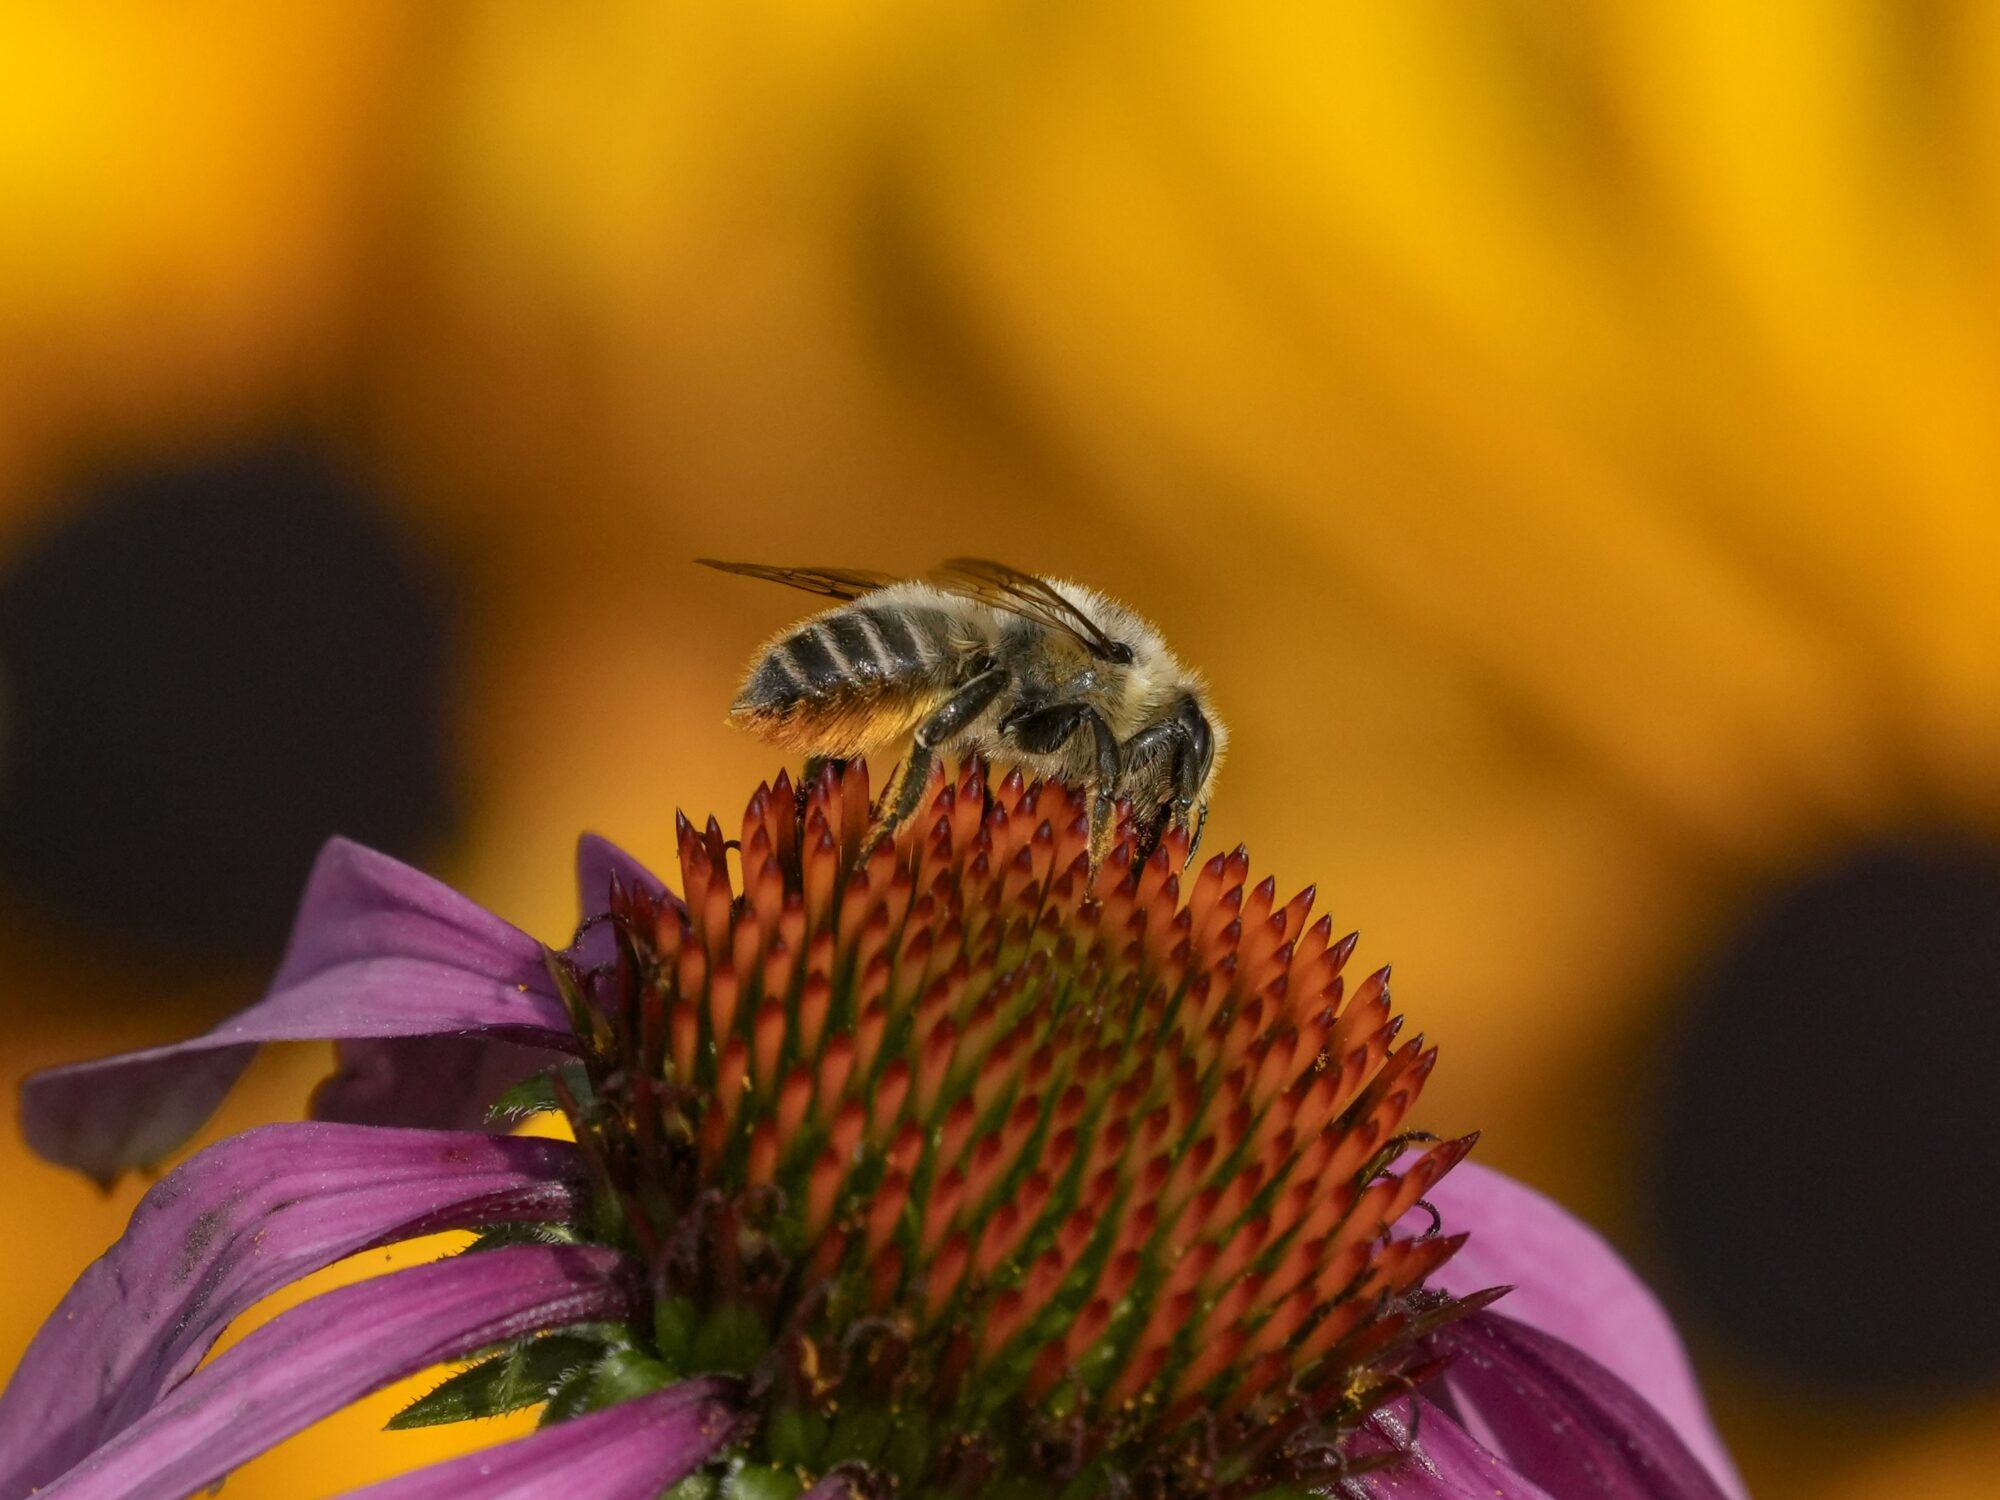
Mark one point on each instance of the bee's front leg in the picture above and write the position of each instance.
(1185, 738)
(1194, 834)
(1170, 739)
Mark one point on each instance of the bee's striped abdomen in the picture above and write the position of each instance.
(902, 650)
(856, 650)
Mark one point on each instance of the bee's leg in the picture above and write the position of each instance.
(1045, 730)
(906, 785)
(809, 778)
(1168, 738)
(1191, 771)
(1104, 791)
(1194, 838)
(1187, 739)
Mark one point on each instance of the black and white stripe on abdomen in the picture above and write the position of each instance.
(858, 648)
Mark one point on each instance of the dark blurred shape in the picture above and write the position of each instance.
(205, 671)
(1829, 1129)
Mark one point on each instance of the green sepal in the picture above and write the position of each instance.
(731, 1342)
(907, 1454)
(536, 1094)
(759, 1482)
(695, 1487)
(500, 1236)
(676, 1320)
(626, 1373)
(795, 1435)
(583, 1017)
(571, 1399)
(1035, 1489)
(518, 1377)
(620, 1372)
(858, 1433)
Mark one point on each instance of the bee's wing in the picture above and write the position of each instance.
(1004, 588)
(835, 583)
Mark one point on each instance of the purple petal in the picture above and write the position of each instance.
(229, 1227)
(378, 950)
(599, 862)
(1564, 1420)
(1568, 1282)
(431, 1082)
(1440, 1462)
(449, 1083)
(631, 1451)
(323, 1354)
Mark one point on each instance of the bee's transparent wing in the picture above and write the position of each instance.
(1001, 587)
(835, 583)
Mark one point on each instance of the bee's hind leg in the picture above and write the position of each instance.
(906, 784)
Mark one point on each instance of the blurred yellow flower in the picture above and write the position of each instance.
(187, 201)
(1568, 430)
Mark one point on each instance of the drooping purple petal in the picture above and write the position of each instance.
(230, 1226)
(429, 1082)
(1439, 1461)
(1568, 1282)
(450, 1082)
(599, 863)
(378, 950)
(632, 1451)
(1562, 1419)
(323, 1354)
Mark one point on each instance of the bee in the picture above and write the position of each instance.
(979, 657)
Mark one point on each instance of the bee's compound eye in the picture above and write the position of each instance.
(1119, 652)
(1201, 739)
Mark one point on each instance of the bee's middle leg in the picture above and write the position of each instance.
(1045, 730)
(906, 786)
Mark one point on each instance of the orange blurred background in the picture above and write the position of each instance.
(1568, 436)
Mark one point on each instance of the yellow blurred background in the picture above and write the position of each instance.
(1565, 434)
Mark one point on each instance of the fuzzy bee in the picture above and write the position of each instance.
(980, 657)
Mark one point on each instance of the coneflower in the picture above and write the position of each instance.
(942, 1168)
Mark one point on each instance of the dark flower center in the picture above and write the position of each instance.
(986, 1172)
